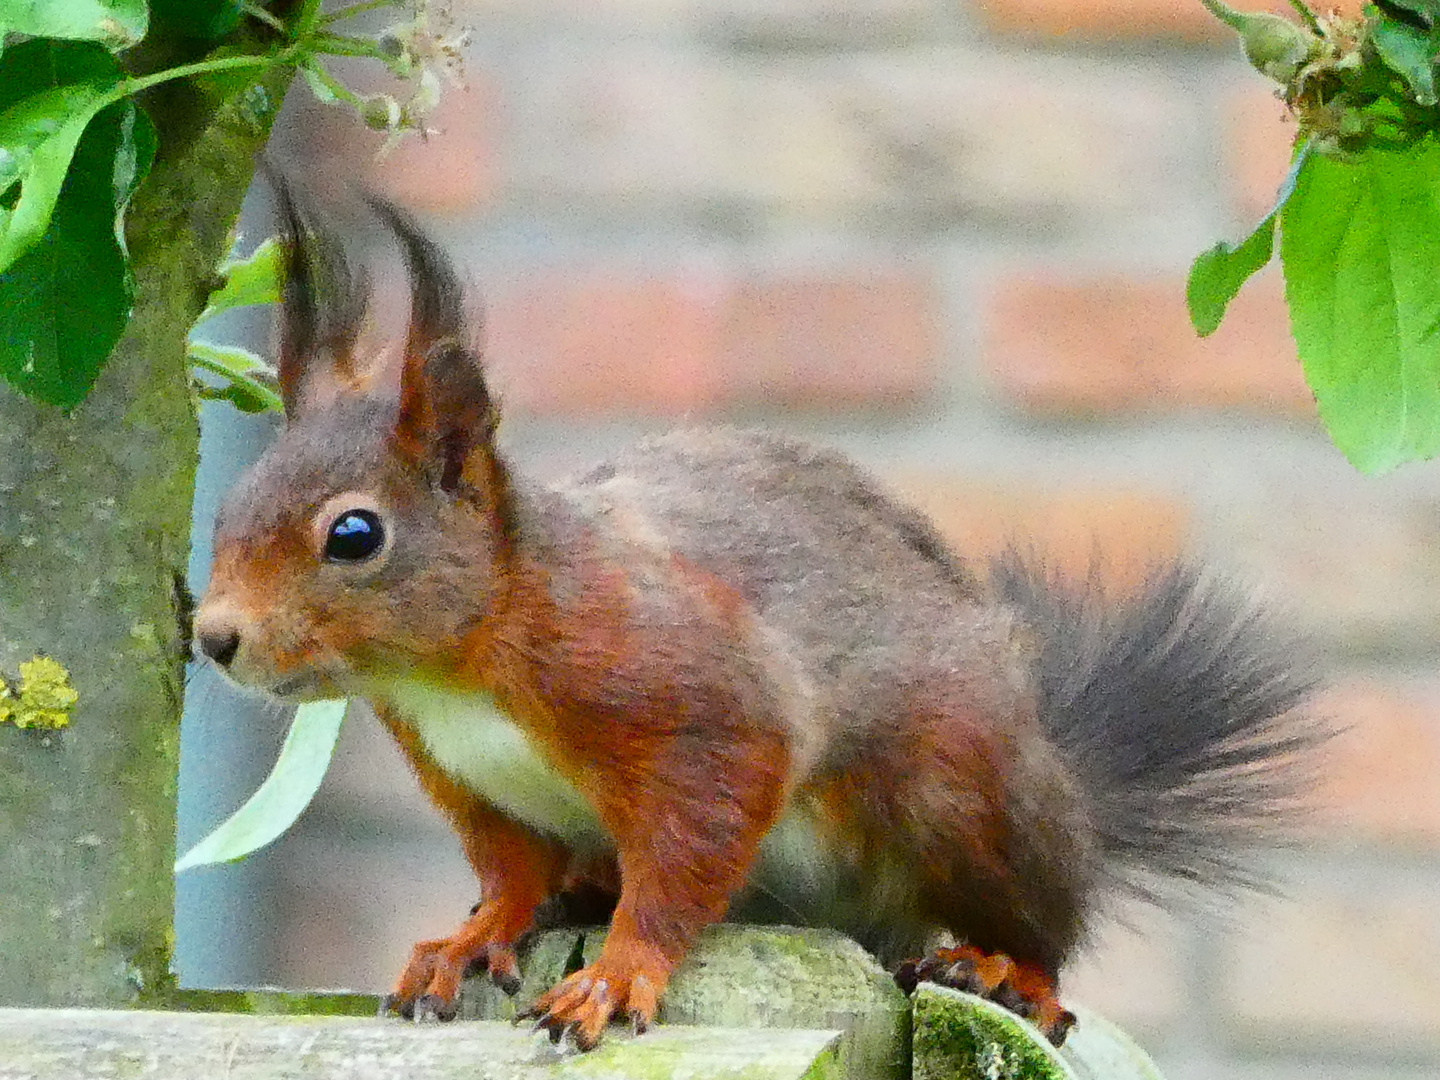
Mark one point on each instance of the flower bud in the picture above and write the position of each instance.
(1274, 45)
(380, 112)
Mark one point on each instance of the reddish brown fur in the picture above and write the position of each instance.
(708, 631)
(638, 673)
(516, 870)
(714, 781)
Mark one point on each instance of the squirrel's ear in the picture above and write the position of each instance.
(323, 304)
(446, 420)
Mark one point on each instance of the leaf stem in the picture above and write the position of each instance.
(346, 45)
(307, 19)
(255, 11)
(315, 73)
(128, 87)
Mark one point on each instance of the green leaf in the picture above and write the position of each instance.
(249, 381)
(116, 24)
(1424, 11)
(49, 93)
(1360, 243)
(230, 361)
(205, 20)
(248, 281)
(1410, 52)
(1217, 275)
(285, 793)
(65, 302)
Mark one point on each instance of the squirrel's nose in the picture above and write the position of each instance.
(220, 644)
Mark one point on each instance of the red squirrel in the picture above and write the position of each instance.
(725, 664)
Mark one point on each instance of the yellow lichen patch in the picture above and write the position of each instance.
(44, 698)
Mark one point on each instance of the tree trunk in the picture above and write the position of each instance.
(94, 530)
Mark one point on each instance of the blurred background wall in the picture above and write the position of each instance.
(950, 237)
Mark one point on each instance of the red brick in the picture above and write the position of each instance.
(455, 168)
(934, 135)
(451, 170)
(1056, 344)
(595, 342)
(1185, 20)
(1118, 532)
(1259, 133)
(1380, 778)
(608, 343)
(832, 342)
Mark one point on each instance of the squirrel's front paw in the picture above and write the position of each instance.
(583, 1003)
(429, 987)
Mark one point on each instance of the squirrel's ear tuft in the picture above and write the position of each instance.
(447, 418)
(323, 303)
(437, 302)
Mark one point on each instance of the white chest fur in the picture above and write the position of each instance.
(477, 744)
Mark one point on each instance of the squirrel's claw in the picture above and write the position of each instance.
(392, 1004)
(1024, 989)
(507, 981)
(430, 1008)
(429, 987)
(502, 964)
(581, 1005)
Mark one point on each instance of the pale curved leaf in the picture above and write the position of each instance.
(283, 796)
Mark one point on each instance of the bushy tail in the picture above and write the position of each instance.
(1180, 708)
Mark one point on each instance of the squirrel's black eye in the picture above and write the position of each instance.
(354, 535)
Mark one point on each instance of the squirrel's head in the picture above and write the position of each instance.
(375, 532)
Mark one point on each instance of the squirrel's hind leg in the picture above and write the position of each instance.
(1024, 989)
(983, 815)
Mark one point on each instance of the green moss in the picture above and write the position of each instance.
(700, 1052)
(269, 1002)
(961, 1037)
(788, 977)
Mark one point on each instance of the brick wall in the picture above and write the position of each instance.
(949, 236)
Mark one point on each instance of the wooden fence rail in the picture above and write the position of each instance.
(759, 1003)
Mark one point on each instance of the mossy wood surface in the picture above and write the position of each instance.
(773, 1002)
(962, 1037)
(753, 977)
(94, 532)
(63, 1044)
